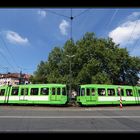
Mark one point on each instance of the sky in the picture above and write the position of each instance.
(28, 35)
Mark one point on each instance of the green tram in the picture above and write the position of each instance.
(55, 94)
(98, 94)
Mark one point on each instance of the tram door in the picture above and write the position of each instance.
(138, 95)
(24, 94)
(56, 94)
(3, 95)
(90, 94)
(7, 92)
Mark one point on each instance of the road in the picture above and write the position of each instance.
(69, 119)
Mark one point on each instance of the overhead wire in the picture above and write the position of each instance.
(5, 58)
(4, 44)
(113, 16)
(82, 12)
(73, 17)
(8, 50)
(58, 14)
(10, 55)
(131, 35)
(133, 31)
(135, 45)
(111, 19)
(69, 17)
(3, 67)
(53, 12)
(71, 24)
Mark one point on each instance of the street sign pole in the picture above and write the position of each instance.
(119, 91)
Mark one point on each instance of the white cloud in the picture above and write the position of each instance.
(15, 38)
(64, 25)
(42, 13)
(128, 32)
(134, 15)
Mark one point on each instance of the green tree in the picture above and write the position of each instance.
(40, 75)
(96, 60)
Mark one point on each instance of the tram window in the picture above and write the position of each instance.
(129, 92)
(2, 91)
(121, 91)
(101, 92)
(53, 91)
(88, 92)
(118, 92)
(58, 91)
(111, 92)
(24, 91)
(63, 91)
(44, 91)
(78, 93)
(14, 91)
(82, 92)
(34, 91)
(139, 92)
(93, 92)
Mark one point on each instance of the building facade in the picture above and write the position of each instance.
(14, 79)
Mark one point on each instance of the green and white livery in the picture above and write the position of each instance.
(34, 94)
(98, 94)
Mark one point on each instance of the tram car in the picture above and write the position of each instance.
(56, 94)
(98, 94)
(53, 94)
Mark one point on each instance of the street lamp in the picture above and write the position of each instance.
(70, 56)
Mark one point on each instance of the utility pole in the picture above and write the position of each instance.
(70, 73)
(71, 19)
(7, 69)
(20, 78)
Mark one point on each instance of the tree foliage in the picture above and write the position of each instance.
(96, 60)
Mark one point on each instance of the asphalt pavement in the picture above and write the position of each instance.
(69, 119)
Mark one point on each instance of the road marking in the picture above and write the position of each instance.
(65, 117)
(71, 130)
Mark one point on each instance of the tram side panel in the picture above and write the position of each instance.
(137, 94)
(38, 94)
(4, 92)
(108, 94)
